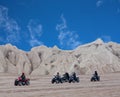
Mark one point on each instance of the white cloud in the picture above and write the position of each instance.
(35, 42)
(63, 25)
(73, 43)
(68, 39)
(99, 3)
(106, 38)
(35, 30)
(9, 26)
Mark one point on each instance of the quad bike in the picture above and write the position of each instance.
(72, 79)
(56, 80)
(64, 79)
(95, 78)
(20, 82)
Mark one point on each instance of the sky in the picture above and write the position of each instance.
(66, 24)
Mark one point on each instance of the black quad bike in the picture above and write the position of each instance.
(73, 79)
(56, 80)
(64, 79)
(95, 78)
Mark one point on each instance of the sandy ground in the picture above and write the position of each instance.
(41, 86)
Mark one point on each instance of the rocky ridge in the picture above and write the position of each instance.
(41, 60)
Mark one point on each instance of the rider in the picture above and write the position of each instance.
(58, 76)
(66, 75)
(96, 75)
(23, 76)
(74, 75)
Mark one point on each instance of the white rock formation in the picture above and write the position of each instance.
(97, 55)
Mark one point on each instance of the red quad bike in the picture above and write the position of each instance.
(20, 82)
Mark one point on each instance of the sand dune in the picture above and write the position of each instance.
(41, 86)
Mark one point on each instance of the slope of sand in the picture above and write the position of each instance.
(41, 86)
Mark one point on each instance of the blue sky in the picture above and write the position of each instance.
(64, 23)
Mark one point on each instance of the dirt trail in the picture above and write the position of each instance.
(40, 86)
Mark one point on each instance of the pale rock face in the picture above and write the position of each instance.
(41, 60)
(2, 62)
